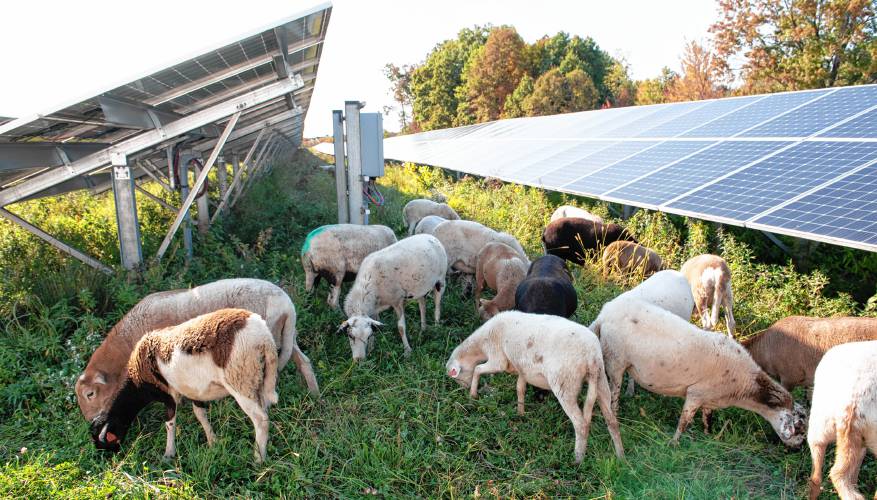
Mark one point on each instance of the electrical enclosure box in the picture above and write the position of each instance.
(371, 126)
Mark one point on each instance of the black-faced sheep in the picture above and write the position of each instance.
(710, 279)
(406, 270)
(669, 356)
(571, 211)
(502, 268)
(336, 251)
(627, 257)
(547, 289)
(415, 210)
(428, 224)
(544, 351)
(98, 385)
(226, 352)
(844, 411)
(791, 348)
(572, 238)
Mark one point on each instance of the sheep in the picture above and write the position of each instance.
(428, 224)
(547, 289)
(335, 252)
(502, 268)
(669, 356)
(222, 353)
(463, 239)
(548, 352)
(406, 270)
(102, 379)
(790, 349)
(844, 410)
(571, 211)
(415, 210)
(628, 257)
(710, 279)
(571, 238)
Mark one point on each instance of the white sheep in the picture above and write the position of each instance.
(406, 270)
(226, 352)
(463, 239)
(844, 410)
(545, 351)
(428, 224)
(336, 251)
(710, 280)
(415, 210)
(669, 356)
(571, 211)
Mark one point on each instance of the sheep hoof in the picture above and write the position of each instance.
(407, 353)
(674, 442)
(168, 456)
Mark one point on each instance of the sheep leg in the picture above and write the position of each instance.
(689, 409)
(439, 291)
(849, 452)
(400, 313)
(817, 456)
(170, 447)
(494, 365)
(615, 372)
(727, 303)
(479, 285)
(335, 293)
(310, 278)
(568, 400)
(604, 399)
(522, 391)
(306, 369)
(259, 417)
(706, 415)
(631, 386)
(421, 303)
(199, 408)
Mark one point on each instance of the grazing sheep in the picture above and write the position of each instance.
(335, 252)
(669, 356)
(415, 210)
(222, 353)
(710, 279)
(844, 410)
(502, 268)
(627, 257)
(571, 238)
(406, 270)
(102, 379)
(428, 224)
(463, 239)
(547, 289)
(791, 348)
(544, 351)
(571, 211)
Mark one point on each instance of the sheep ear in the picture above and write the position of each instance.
(375, 322)
(483, 301)
(100, 379)
(342, 326)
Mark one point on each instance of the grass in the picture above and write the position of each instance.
(390, 426)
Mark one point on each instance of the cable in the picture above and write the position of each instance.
(378, 198)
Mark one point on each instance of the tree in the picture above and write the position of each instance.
(555, 93)
(400, 85)
(492, 74)
(654, 90)
(798, 44)
(622, 90)
(514, 104)
(702, 76)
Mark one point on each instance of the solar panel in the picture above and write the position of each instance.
(863, 126)
(595, 161)
(826, 111)
(554, 169)
(699, 117)
(661, 114)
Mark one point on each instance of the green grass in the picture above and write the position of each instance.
(390, 426)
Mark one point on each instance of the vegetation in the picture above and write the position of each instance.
(390, 426)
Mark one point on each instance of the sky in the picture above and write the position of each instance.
(58, 52)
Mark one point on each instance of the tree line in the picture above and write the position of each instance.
(756, 46)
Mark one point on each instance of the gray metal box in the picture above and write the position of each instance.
(372, 135)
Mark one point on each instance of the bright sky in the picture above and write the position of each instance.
(56, 52)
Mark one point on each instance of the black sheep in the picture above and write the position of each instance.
(547, 289)
(571, 238)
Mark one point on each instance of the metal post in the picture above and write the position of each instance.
(354, 161)
(154, 198)
(203, 209)
(170, 167)
(126, 213)
(184, 193)
(222, 175)
(340, 170)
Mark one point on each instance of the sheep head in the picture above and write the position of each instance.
(359, 331)
(487, 309)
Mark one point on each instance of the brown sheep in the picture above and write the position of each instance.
(503, 269)
(792, 347)
(710, 280)
(627, 257)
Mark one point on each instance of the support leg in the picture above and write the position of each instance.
(706, 416)
(200, 410)
(259, 417)
(400, 324)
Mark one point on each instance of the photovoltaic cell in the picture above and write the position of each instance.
(698, 117)
(864, 126)
(694, 171)
(556, 170)
(778, 179)
(846, 209)
(587, 164)
(626, 170)
(812, 118)
(662, 114)
(750, 116)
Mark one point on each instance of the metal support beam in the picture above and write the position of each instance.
(222, 176)
(22, 155)
(354, 162)
(340, 170)
(154, 198)
(776, 241)
(203, 216)
(126, 214)
(60, 245)
(202, 177)
(148, 167)
(232, 191)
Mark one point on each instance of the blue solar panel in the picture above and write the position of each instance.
(778, 179)
(663, 113)
(700, 116)
(815, 116)
(750, 116)
(694, 171)
(846, 209)
(592, 162)
(864, 126)
(556, 170)
(626, 170)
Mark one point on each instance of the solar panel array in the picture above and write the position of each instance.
(797, 163)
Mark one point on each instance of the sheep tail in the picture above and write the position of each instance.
(269, 375)
(287, 338)
(717, 299)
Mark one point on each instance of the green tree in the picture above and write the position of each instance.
(555, 93)
(654, 90)
(622, 90)
(798, 44)
(492, 74)
(514, 104)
